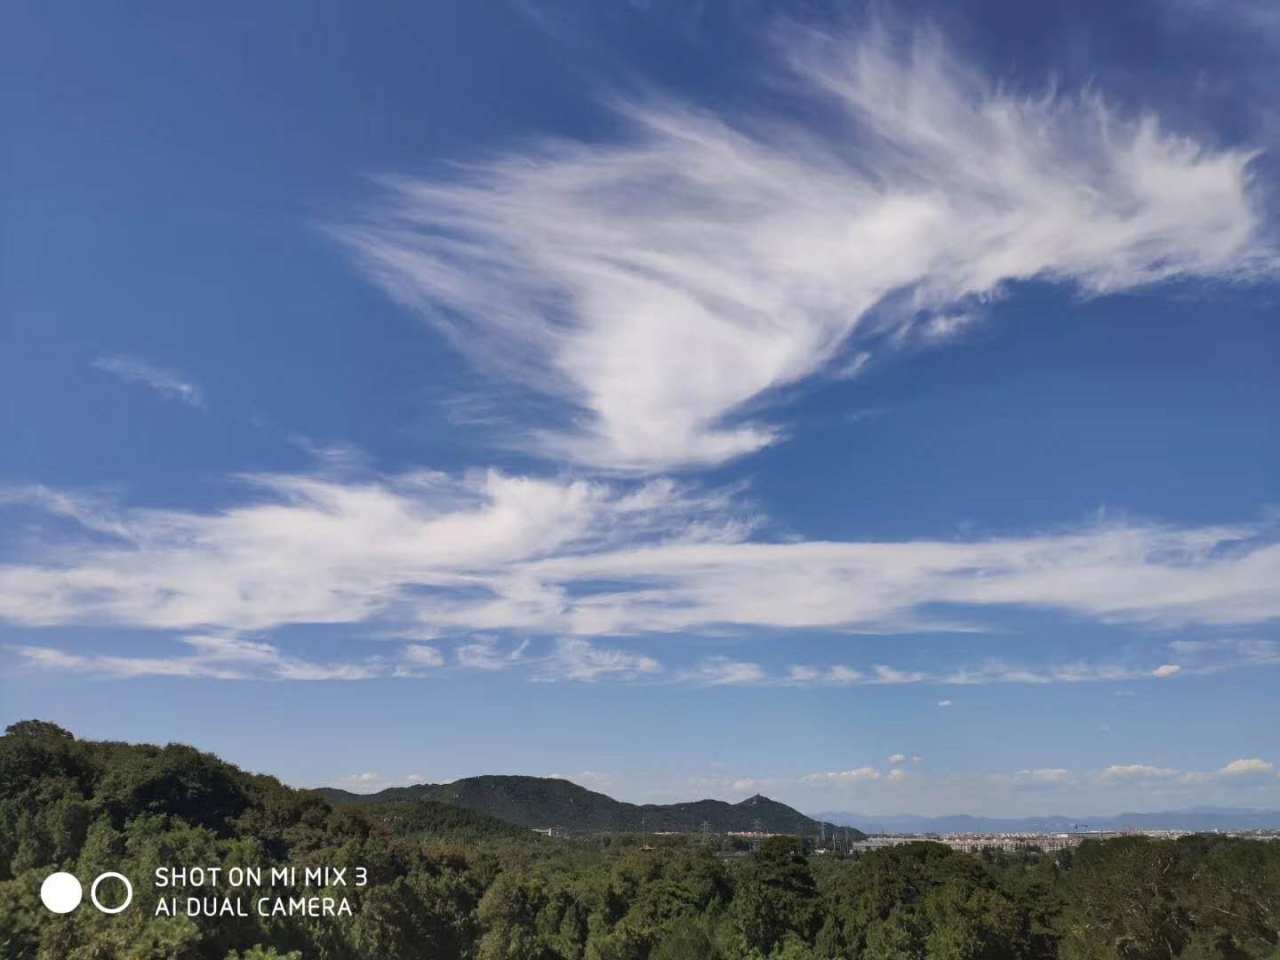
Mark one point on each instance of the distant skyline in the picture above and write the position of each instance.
(872, 409)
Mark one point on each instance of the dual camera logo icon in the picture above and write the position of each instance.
(62, 893)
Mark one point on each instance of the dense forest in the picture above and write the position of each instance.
(446, 882)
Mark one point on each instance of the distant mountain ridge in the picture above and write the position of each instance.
(1193, 819)
(549, 802)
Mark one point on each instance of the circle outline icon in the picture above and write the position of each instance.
(110, 875)
(61, 892)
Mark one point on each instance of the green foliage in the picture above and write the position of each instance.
(447, 882)
(264, 953)
(430, 817)
(687, 939)
(776, 897)
(175, 780)
(38, 728)
(1134, 899)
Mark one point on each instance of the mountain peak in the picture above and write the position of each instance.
(549, 802)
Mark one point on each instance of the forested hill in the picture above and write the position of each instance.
(549, 802)
(450, 883)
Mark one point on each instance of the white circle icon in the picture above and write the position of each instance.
(110, 875)
(61, 892)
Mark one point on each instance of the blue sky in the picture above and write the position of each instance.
(870, 408)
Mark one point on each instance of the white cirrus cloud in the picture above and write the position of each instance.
(997, 671)
(1138, 771)
(1214, 656)
(897, 758)
(1136, 573)
(423, 655)
(944, 703)
(416, 659)
(842, 675)
(566, 659)
(311, 549)
(578, 659)
(1043, 775)
(162, 381)
(1258, 652)
(887, 674)
(768, 252)
(838, 675)
(426, 554)
(986, 673)
(486, 653)
(723, 672)
(856, 775)
(216, 658)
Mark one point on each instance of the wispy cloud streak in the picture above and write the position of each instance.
(207, 657)
(164, 382)
(491, 553)
(660, 283)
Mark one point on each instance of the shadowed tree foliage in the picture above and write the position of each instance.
(449, 882)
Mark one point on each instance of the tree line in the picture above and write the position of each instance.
(449, 884)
